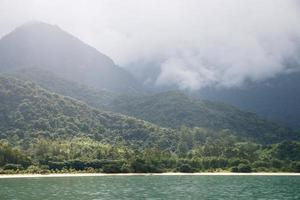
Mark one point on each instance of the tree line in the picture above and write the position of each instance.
(86, 155)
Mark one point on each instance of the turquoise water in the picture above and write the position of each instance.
(152, 187)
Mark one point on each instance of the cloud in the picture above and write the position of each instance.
(191, 44)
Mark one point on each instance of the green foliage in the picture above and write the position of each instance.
(43, 132)
(186, 168)
(11, 157)
(175, 109)
(288, 150)
(28, 111)
(244, 168)
(234, 169)
(85, 154)
(54, 83)
(295, 166)
(12, 167)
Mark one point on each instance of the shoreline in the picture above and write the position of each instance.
(147, 174)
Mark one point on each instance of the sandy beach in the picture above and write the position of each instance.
(147, 174)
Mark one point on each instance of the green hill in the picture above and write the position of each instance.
(175, 109)
(169, 109)
(52, 82)
(58, 114)
(44, 132)
(28, 111)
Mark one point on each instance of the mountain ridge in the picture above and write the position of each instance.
(47, 46)
(276, 99)
(175, 109)
(29, 111)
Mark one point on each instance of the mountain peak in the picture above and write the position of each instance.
(42, 45)
(41, 28)
(39, 24)
(41, 34)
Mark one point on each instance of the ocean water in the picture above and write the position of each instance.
(152, 187)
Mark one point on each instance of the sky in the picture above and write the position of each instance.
(189, 44)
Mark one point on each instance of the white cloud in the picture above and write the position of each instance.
(196, 43)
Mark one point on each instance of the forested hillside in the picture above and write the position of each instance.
(54, 83)
(28, 111)
(175, 109)
(44, 132)
(168, 109)
(65, 107)
(277, 98)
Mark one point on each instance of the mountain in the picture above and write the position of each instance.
(28, 111)
(62, 64)
(277, 98)
(48, 47)
(175, 109)
(168, 109)
(50, 81)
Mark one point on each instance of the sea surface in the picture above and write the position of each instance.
(152, 187)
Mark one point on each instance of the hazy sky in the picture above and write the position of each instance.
(194, 43)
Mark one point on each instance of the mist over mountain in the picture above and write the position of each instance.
(42, 128)
(277, 98)
(193, 43)
(47, 46)
(34, 49)
(149, 86)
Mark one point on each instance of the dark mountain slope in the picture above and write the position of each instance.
(48, 80)
(169, 109)
(47, 46)
(28, 111)
(175, 109)
(277, 99)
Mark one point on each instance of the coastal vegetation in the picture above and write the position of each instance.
(45, 132)
(86, 155)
